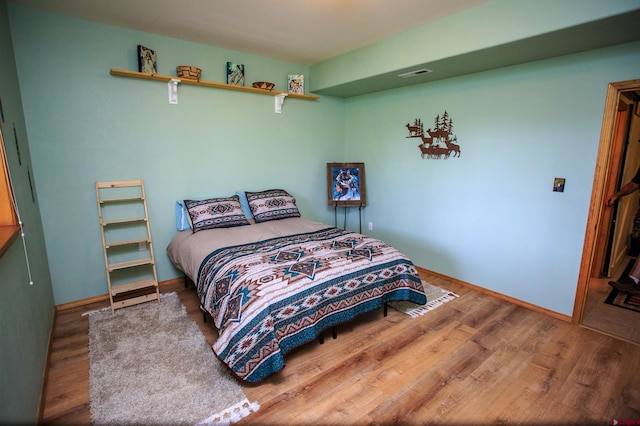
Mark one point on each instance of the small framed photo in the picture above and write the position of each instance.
(346, 184)
(296, 84)
(147, 62)
(235, 74)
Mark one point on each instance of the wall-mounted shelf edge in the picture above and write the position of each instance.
(212, 84)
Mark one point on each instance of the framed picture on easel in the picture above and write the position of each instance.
(346, 185)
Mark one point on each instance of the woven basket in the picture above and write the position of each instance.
(263, 85)
(188, 71)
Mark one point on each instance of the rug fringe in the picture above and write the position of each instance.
(423, 309)
(232, 414)
(97, 311)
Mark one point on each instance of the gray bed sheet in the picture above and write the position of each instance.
(187, 249)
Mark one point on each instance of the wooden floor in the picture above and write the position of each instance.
(619, 322)
(475, 360)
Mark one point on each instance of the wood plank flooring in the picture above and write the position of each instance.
(476, 360)
(616, 321)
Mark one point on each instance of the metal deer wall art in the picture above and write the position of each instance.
(437, 144)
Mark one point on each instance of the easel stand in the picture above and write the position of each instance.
(335, 215)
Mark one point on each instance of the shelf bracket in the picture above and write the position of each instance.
(279, 101)
(173, 90)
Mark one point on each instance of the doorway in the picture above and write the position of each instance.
(592, 279)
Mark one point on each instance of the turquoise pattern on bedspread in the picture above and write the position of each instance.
(269, 297)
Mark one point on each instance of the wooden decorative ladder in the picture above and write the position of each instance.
(126, 243)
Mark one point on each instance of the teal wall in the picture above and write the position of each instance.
(480, 28)
(26, 311)
(490, 217)
(86, 126)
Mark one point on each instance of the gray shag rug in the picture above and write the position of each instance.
(151, 364)
(436, 297)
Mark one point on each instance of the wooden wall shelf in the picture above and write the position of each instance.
(211, 84)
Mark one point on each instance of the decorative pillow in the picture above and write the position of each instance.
(272, 204)
(215, 213)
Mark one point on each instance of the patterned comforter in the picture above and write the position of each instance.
(270, 296)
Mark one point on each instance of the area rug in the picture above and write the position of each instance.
(151, 364)
(623, 300)
(436, 297)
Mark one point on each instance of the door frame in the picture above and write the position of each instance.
(603, 165)
(607, 241)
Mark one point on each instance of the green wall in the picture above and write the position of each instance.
(26, 311)
(490, 217)
(86, 126)
(488, 25)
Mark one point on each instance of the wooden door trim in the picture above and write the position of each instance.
(598, 194)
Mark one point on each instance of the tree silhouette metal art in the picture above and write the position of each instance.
(437, 144)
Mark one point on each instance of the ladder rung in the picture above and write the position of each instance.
(127, 242)
(120, 200)
(112, 222)
(134, 301)
(133, 285)
(119, 184)
(130, 264)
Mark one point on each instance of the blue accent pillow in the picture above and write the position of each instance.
(182, 217)
(244, 204)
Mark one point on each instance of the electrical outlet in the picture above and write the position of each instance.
(142, 245)
(370, 226)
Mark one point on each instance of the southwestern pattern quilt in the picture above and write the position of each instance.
(270, 296)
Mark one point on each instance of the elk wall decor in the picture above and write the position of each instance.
(437, 144)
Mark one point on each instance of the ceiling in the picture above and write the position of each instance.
(307, 32)
(299, 31)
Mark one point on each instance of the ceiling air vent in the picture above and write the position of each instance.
(414, 73)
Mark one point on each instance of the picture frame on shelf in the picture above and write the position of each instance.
(346, 184)
(235, 74)
(296, 84)
(147, 60)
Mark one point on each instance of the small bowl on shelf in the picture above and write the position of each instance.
(263, 85)
(188, 71)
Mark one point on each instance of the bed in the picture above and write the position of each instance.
(272, 280)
